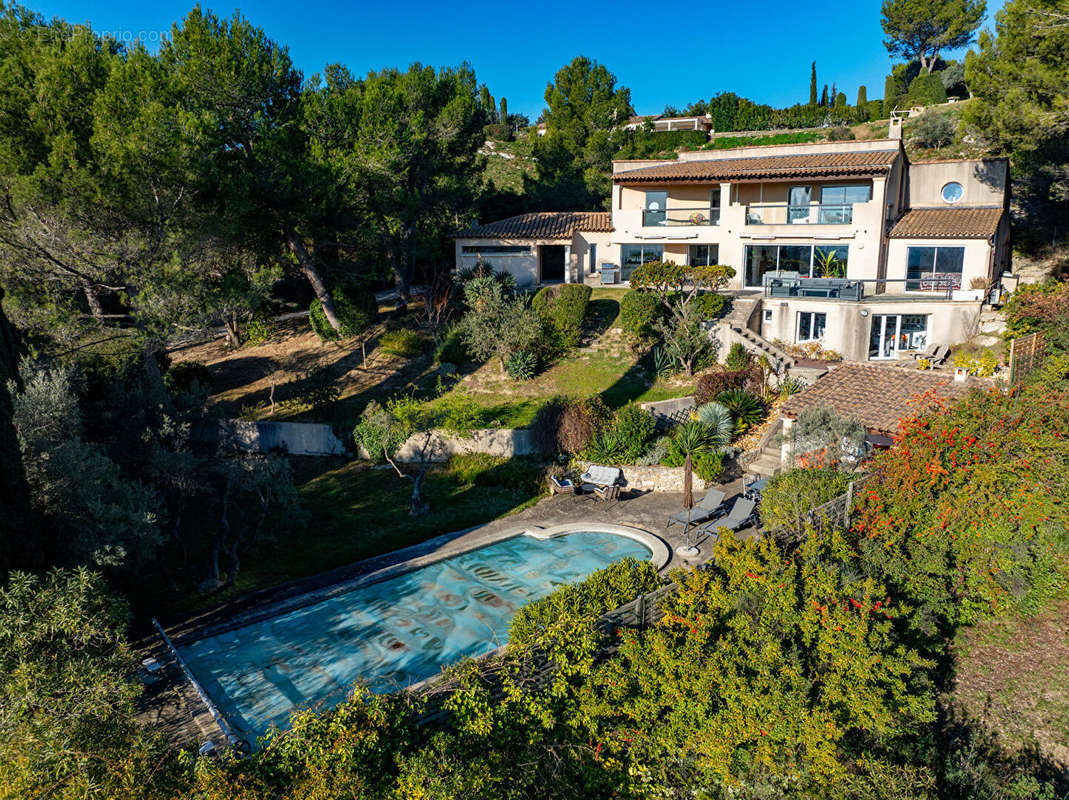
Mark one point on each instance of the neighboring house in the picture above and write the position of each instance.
(662, 123)
(539, 248)
(875, 395)
(846, 245)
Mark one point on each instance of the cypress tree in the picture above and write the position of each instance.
(504, 112)
(862, 96)
(840, 100)
(813, 84)
(824, 96)
(486, 100)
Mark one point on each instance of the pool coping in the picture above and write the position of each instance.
(660, 556)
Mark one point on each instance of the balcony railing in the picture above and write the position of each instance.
(681, 216)
(934, 285)
(801, 214)
(831, 288)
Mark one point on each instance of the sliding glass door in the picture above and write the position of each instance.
(892, 334)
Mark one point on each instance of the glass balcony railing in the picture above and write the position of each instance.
(681, 216)
(803, 214)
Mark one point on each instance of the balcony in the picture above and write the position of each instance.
(681, 217)
(803, 214)
(925, 287)
(829, 288)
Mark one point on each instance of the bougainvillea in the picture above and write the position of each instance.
(967, 512)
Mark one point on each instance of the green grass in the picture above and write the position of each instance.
(356, 511)
(505, 173)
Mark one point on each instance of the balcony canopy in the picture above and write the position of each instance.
(765, 168)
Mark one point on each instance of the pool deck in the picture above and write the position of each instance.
(172, 705)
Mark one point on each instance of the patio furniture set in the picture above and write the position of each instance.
(602, 483)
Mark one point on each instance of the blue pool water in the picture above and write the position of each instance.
(393, 633)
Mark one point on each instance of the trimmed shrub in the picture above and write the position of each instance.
(356, 309)
(708, 465)
(403, 343)
(927, 89)
(185, 376)
(451, 350)
(638, 312)
(260, 330)
(563, 309)
(708, 305)
(634, 427)
(738, 358)
(601, 592)
(789, 496)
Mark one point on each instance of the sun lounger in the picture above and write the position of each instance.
(741, 513)
(702, 511)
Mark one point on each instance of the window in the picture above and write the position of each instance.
(837, 203)
(634, 255)
(656, 203)
(768, 315)
(811, 325)
(808, 261)
(932, 269)
(703, 255)
(497, 249)
(953, 192)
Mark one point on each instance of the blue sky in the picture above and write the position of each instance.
(666, 53)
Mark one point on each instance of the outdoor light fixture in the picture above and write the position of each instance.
(864, 312)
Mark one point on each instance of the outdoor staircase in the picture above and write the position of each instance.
(738, 321)
(768, 460)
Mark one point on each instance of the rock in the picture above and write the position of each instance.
(984, 340)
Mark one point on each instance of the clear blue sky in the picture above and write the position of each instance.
(667, 53)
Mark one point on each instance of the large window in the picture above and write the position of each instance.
(656, 203)
(635, 255)
(932, 269)
(808, 261)
(703, 255)
(837, 203)
(811, 325)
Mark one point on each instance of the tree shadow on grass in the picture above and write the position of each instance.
(600, 315)
(639, 377)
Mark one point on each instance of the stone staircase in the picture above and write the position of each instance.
(768, 459)
(738, 321)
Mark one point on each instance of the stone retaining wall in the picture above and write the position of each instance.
(295, 438)
(656, 479)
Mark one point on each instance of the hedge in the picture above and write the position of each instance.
(638, 312)
(926, 90)
(789, 496)
(563, 308)
(356, 309)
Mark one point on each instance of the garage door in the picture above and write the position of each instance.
(521, 262)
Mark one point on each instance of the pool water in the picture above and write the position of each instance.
(393, 633)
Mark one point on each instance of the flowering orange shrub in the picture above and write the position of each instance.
(967, 512)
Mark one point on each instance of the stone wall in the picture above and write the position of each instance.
(295, 438)
(656, 479)
(502, 442)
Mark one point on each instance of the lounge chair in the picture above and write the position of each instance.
(703, 510)
(564, 486)
(600, 476)
(740, 514)
(936, 353)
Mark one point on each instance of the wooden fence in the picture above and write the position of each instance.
(1026, 354)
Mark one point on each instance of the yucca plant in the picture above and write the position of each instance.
(521, 366)
(608, 447)
(747, 409)
(663, 364)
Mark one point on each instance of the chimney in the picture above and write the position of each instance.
(894, 126)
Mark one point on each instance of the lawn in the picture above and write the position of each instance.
(606, 367)
(356, 511)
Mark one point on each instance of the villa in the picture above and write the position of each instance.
(846, 244)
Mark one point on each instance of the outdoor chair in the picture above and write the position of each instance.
(703, 510)
(597, 476)
(741, 513)
(936, 353)
(607, 493)
(561, 486)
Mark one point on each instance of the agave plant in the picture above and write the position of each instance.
(521, 366)
(608, 447)
(746, 408)
(663, 364)
(717, 418)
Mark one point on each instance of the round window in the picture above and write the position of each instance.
(953, 192)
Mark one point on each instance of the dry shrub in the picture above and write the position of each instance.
(566, 425)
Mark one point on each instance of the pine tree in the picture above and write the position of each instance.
(862, 96)
(813, 84)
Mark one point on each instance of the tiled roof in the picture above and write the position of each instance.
(876, 396)
(542, 225)
(947, 223)
(871, 162)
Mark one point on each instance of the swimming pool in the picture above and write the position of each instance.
(392, 633)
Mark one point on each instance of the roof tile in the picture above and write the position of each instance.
(542, 225)
(876, 396)
(871, 162)
(947, 223)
